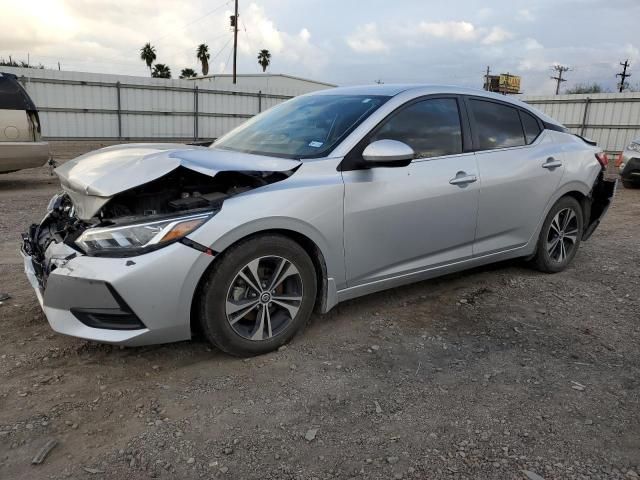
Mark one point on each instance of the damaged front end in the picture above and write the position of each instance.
(130, 200)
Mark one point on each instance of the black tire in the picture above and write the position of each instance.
(630, 184)
(217, 291)
(550, 261)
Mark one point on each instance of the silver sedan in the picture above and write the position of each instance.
(324, 198)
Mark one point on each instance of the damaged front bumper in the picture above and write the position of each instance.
(126, 301)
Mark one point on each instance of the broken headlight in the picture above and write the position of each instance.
(137, 238)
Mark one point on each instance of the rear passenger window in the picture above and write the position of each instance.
(531, 127)
(431, 127)
(498, 125)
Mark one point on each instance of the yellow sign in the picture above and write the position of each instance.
(509, 83)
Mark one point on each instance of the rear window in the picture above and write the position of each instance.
(498, 125)
(12, 95)
(531, 127)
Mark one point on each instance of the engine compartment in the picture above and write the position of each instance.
(182, 191)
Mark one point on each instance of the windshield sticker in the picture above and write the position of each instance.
(316, 144)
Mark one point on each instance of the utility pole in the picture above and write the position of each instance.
(486, 79)
(235, 42)
(624, 74)
(560, 69)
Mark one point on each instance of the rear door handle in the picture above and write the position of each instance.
(552, 163)
(462, 178)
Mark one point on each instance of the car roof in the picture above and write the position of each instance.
(391, 90)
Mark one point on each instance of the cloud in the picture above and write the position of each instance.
(366, 40)
(496, 35)
(525, 15)
(532, 44)
(450, 30)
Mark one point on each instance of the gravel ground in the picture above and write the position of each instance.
(496, 373)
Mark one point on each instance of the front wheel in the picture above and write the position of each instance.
(258, 295)
(560, 236)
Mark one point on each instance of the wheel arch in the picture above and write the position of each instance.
(585, 204)
(326, 295)
(576, 189)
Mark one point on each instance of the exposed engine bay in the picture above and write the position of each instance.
(181, 192)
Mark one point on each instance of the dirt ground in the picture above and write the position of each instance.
(497, 373)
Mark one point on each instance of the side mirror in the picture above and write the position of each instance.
(388, 153)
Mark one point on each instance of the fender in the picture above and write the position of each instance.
(334, 273)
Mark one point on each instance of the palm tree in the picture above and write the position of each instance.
(188, 73)
(148, 54)
(202, 54)
(160, 70)
(264, 59)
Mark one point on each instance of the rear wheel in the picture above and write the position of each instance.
(560, 236)
(630, 184)
(258, 295)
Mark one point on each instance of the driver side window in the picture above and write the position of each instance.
(431, 127)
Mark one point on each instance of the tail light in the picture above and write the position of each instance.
(618, 162)
(602, 159)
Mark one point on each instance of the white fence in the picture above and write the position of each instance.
(85, 106)
(611, 119)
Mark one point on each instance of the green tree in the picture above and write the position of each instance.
(585, 88)
(202, 54)
(21, 63)
(160, 70)
(148, 55)
(188, 73)
(264, 59)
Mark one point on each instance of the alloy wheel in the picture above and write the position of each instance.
(264, 298)
(562, 235)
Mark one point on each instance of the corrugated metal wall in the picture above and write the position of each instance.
(75, 105)
(611, 119)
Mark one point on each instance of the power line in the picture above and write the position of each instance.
(251, 45)
(227, 63)
(560, 69)
(624, 74)
(221, 50)
(201, 17)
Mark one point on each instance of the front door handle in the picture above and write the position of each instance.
(462, 179)
(552, 163)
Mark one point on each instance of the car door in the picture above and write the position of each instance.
(520, 169)
(399, 220)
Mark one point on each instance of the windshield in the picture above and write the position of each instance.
(304, 127)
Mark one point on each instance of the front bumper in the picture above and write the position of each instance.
(94, 298)
(21, 155)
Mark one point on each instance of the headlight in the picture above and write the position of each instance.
(633, 146)
(139, 237)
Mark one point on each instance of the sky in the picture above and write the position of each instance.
(345, 42)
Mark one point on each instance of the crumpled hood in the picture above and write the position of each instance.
(93, 178)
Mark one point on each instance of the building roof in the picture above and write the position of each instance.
(263, 75)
